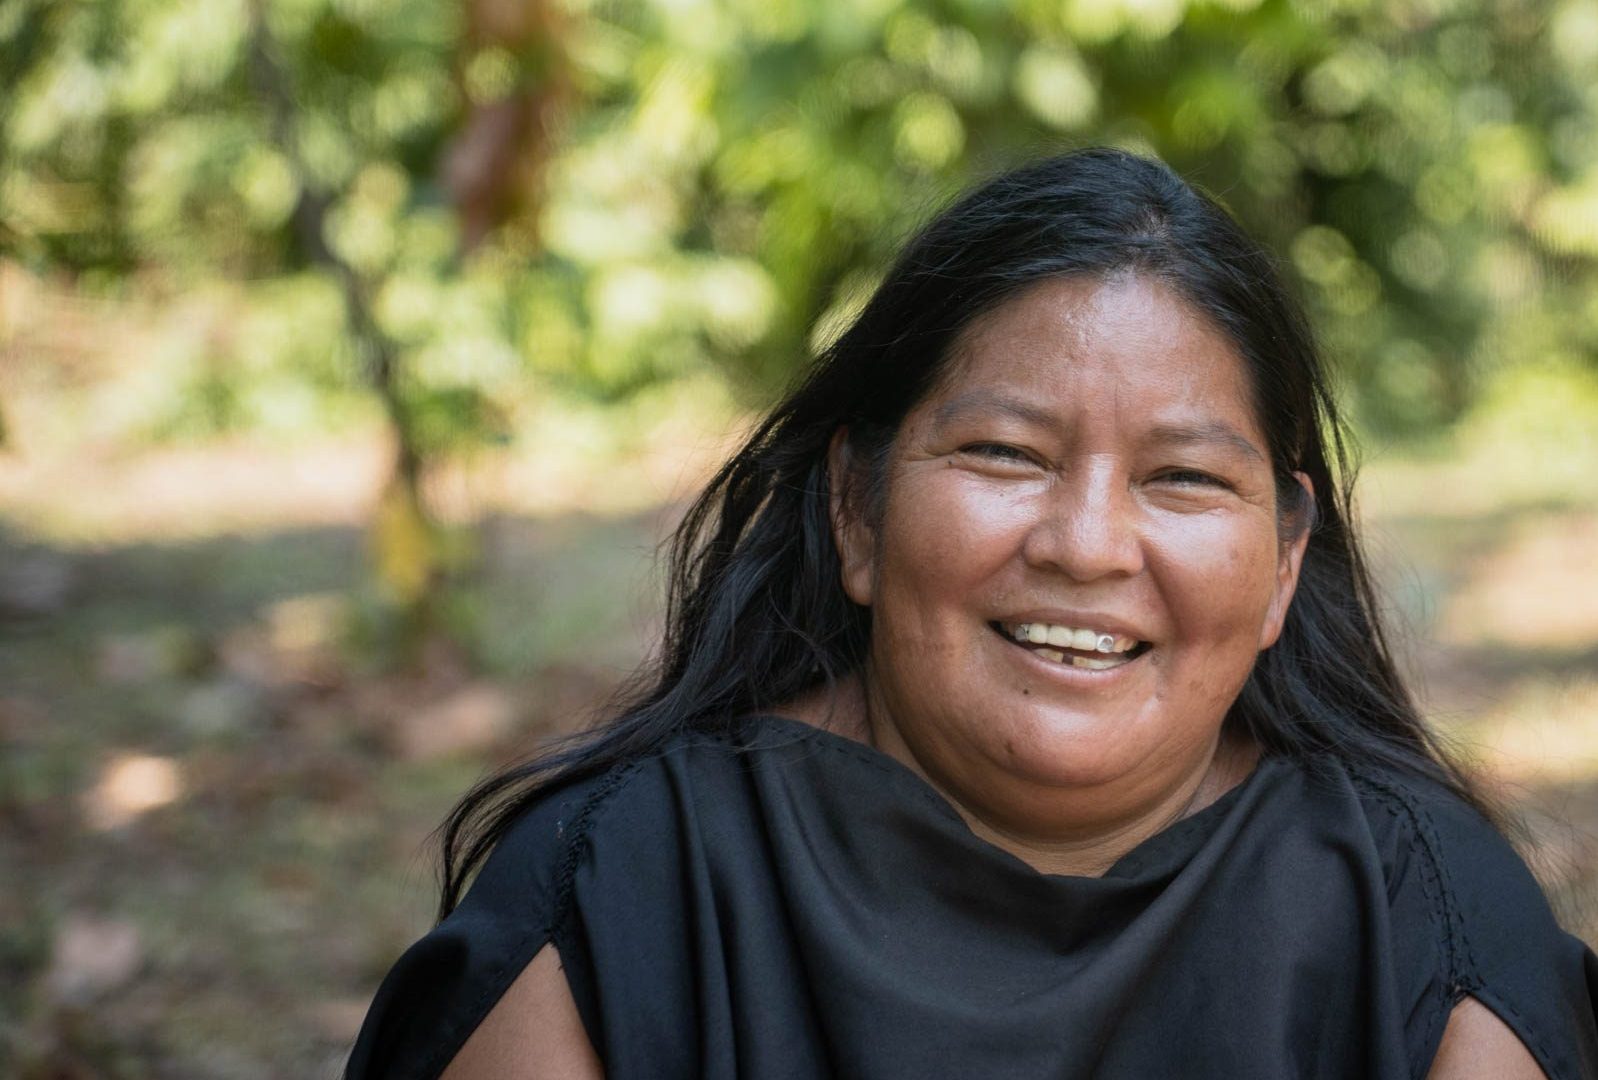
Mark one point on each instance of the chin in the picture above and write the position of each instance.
(1069, 750)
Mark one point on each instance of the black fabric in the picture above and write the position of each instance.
(791, 903)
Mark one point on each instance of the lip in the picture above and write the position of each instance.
(1066, 674)
(1087, 620)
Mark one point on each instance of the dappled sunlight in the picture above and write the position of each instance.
(76, 485)
(92, 956)
(1541, 730)
(130, 786)
(1544, 730)
(654, 450)
(189, 492)
(1538, 589)
(472, 719)
(308, 622)
(1530, 443)
(1502, 624)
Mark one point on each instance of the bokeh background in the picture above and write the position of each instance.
(355, 354)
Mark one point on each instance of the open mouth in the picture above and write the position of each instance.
(1076, 647)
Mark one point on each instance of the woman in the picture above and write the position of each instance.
(1021, 712)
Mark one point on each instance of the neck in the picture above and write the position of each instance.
(1089, 846)
(1077, 833)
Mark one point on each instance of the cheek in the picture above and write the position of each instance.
(1218, 577)
(959, 534)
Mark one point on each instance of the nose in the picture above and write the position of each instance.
(1086, 526)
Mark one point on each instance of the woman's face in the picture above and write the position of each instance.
(1090, 471)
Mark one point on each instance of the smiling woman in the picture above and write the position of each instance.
(1088, 467)
(1022, 712)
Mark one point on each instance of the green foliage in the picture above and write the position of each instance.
(710, 185)
(444, 212)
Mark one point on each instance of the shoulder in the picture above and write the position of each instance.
(1454, 879)
(442, 985)
(1436, 843)
(578, 848)
(621, 821)
(629, 809)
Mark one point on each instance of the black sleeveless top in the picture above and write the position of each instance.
(790, 903)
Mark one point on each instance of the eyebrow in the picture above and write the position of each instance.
(986, 401)
(1211, 431)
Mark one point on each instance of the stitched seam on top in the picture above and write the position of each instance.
(1434, 889)
(1463, 982)
(1433, 881)
(1464, 979)
(570, 858)
(576, 843)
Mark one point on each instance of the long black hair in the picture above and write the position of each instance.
(756, 613)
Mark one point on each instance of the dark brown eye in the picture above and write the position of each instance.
(1193, 478)
(997, 450)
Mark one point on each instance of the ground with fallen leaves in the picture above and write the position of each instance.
(214, 824)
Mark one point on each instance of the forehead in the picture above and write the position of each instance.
(1127, 348)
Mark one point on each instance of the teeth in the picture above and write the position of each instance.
(1052, 654)
(1066, 637)
(1093, 663)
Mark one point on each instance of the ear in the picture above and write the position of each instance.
(1288, 562)
(850, 533)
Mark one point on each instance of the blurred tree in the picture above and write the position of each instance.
(409, 547)
(448, 208)
(511, 74)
